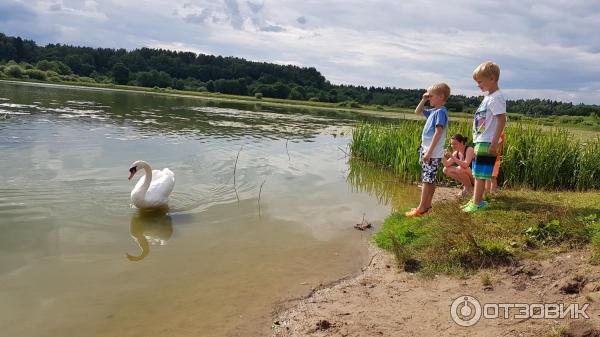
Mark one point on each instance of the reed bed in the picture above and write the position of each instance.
(540, 159)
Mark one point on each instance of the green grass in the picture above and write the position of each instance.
(573, 122)
(540, 159)
(394, 146)
(518, 224)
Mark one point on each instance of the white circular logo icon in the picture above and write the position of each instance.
(465, 310)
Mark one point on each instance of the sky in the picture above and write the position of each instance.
(545, 49)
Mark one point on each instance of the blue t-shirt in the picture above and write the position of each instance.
(435, 117)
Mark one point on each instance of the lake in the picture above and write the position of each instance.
(76, 259)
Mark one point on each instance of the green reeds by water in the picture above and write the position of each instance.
(540, 159)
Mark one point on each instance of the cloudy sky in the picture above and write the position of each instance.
(546, 49)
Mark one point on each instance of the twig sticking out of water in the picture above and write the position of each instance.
(234, 169)
(259, 193)
(286, 149)
(346, 153)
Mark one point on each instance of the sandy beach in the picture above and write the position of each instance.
(386, 301)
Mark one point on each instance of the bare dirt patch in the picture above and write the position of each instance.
(383, 301)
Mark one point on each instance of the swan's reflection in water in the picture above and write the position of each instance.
(149, 228)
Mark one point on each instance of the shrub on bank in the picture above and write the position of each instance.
(14, 70)
(36, 74)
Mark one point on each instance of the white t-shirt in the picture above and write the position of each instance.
(484, 124)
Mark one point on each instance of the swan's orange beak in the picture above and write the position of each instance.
(132, 172)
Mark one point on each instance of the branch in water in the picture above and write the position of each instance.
(234, 169)
(259, 193)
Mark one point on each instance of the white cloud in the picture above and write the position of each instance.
(177, 46)
(87, 10)
(544, 48)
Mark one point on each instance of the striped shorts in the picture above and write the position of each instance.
(496, 170)
(483, 163)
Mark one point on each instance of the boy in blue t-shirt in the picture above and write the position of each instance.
(433, 138)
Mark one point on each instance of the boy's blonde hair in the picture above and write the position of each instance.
(440, 88)
(487, 69)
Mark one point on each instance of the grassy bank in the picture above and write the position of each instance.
(518, 224)
(540, 159)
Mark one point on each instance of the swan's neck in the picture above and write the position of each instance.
(147, 178)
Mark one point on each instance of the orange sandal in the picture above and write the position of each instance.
(415, 212)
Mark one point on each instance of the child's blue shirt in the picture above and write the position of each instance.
(435, 117)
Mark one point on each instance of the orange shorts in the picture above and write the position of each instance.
(496, 170)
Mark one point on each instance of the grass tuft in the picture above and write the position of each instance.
(517, 224)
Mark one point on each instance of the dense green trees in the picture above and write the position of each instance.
(229, 75)
(120, 73)
(540, 107)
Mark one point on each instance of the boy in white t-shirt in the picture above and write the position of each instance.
(488, 127)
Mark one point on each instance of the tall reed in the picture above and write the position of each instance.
(541, 159)
(588, 174)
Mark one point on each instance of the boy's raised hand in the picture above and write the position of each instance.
(426, 96)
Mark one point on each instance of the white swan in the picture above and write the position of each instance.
(151, 191)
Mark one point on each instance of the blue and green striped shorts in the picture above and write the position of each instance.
(483, 163)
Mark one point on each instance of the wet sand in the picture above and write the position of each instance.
(386, 301)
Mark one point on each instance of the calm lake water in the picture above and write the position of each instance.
(220, 260)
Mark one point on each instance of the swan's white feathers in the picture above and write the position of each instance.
(158, 192)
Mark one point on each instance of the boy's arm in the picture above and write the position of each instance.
(501, 119)
(421, 106)
(436, 138)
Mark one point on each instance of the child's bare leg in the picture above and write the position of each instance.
(479, 190)
(465, 178)
(461, 176)
(493, 185)
(430, 195)
(451, 172)
(488, 186)
(455, 174)
(427, 192)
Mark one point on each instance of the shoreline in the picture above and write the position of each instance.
(392, 114)
(383, 300)
(399, 113)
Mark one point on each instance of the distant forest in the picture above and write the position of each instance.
(20, 58)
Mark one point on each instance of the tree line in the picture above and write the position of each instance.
(161, 68)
